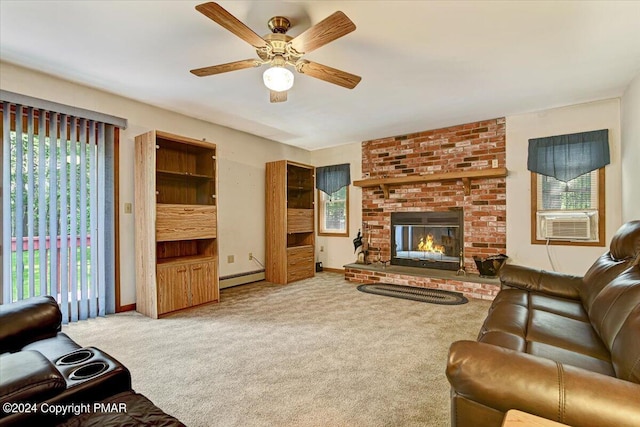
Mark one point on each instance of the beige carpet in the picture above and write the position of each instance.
(313, 353)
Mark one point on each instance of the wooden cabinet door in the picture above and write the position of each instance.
(173, 287)
(299, 220)
(185, 222)
(203, 288)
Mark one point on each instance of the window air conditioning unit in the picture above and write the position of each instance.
(566, 226)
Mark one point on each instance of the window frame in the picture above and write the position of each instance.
(321, 231)
(601, 215)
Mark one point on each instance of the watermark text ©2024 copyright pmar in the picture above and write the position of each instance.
(62, 409)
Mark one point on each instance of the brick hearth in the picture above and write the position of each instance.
(471, 285)
(467, 147)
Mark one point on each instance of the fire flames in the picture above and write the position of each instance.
(429, 245)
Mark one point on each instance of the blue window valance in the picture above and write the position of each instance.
(332, 178)
(566, 157)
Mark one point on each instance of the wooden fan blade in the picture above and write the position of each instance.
(328, 74)
(325, 31)
(218, 14)
(223, 68)
(278, 96)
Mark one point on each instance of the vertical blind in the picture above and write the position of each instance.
(57, 222)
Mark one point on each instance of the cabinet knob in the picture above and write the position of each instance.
(196, 268)
(181, 270)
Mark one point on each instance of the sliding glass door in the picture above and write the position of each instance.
(57, 218)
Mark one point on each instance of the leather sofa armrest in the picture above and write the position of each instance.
(29, 377)
(505, 379)
(530, 279)
(26, 321)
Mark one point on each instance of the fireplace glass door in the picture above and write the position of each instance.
(427, 239)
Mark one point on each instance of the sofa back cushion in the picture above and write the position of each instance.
(623, 251)
(26, 321)
(614, 316)
(625, 353)
(626, 242)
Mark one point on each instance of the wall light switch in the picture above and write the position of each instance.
(230, 259)
(127, 208)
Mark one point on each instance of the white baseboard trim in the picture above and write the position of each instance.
(241, 279)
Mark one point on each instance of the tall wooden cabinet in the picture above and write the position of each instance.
(176, 223)
(290, 248)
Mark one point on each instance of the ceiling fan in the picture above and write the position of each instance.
(279, 50)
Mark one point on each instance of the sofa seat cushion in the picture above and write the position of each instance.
(550, 326)
(508, 318)
(567, 333)
(540, 301)
(572, 358)
(55, 347)
(572, 309)
(504, 339)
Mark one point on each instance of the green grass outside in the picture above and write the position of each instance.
(36, 272)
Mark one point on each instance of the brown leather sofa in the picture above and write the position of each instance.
(561, 347)
(44, 372)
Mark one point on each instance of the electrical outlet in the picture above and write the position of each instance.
(127, 208)
(494, 163)
(230, 259)
(250, 256)
(321, 248)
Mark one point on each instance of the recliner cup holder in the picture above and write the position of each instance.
(88, 371)
(75, 357)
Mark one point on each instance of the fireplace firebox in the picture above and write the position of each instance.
(427, 239)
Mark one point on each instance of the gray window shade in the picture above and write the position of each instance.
(566, 157)
(57, 226)
(332, 178)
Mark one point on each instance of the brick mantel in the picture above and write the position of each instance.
(405, 165)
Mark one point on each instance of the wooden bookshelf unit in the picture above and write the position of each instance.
(176, 223)
(290, 231)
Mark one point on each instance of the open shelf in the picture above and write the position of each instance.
(183, 175)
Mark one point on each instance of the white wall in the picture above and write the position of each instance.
(630, 112)
(576, 118)
(241, 173)
(338, 251)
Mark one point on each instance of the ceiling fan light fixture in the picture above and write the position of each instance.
(278, 79)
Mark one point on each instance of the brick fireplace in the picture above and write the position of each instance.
(473, 150)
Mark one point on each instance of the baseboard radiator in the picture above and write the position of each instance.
(241, 278)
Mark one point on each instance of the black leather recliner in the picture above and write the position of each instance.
(42, 368)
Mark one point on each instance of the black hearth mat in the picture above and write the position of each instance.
(433, 296)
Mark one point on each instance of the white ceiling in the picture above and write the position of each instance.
(424, 64)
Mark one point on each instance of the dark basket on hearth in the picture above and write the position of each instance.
(489, 266)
